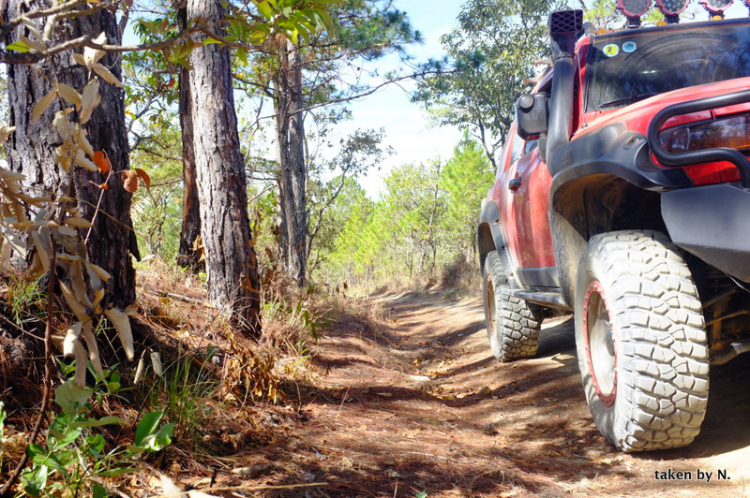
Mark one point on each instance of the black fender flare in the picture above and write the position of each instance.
(490, 235)
(611, 154)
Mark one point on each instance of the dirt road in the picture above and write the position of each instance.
(418, 407)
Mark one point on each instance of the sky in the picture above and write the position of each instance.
(407, 128)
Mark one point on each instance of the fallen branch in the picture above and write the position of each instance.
(179, 297)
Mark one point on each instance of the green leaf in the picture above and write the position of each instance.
(265, 9)
(2, 420)
(69, 436)
(35, 450)
(327, 19)
(98, 491)
(52, 461)
(96, 443)
(147, 427)
(100, 422)
(70, 397)
(34, 480)
(134, 450)
(209, 41)
(163, 437)
(421, 494)
(18, 46)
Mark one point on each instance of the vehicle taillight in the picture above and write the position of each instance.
(732, 132)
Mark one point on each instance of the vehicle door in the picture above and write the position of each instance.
(528, 188)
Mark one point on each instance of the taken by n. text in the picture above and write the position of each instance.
(689, 475)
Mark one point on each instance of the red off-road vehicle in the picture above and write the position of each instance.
(624, 195)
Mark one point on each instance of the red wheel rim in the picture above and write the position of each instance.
(600, 344)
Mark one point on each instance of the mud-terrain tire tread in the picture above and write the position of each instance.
(660, 341)
(515, 333)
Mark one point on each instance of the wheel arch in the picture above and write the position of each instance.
(604, 181)
(593, 204)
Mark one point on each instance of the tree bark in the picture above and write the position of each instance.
(231, 263)
(31, 147)
(290, 135)
(189, 255)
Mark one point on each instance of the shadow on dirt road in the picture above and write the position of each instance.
(417, 404)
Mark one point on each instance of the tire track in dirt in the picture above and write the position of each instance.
(416, 403)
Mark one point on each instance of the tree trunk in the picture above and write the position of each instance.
(31, 147)
(431, 232)
(290, 134)
(231, 263)
(190, 255)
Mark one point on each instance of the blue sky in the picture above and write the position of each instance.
(406, 126)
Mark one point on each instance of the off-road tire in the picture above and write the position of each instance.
(647, 382)
(512, 323)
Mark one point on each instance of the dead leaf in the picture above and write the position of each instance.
(107, 75)
(90, 99)
(99, 271)
(14, 241)
(169, 488)
(31, 27)
(122, 324)
(41, 250)
(143, 176)
(5, 251)
(78, 222)
(98, 295)
(79, 59)
(71, 336)
(38, 46)
(91, 55)
(42, 105)
(78, 309)
(140, 369)
(67, 231)
(82, 160)
(69, 94)
(81, 358)
(252, 471)
(102, 161)
(5, 132)
(77, 283)
(88, 335)
(156, 363)
(130, 180)
(84, 143)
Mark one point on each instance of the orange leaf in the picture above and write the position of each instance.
(143, 176)
(102, 161)
(130, 180)
(103, 186)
